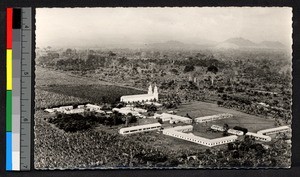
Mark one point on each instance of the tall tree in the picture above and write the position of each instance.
(212, 71)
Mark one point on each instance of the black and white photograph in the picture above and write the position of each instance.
(163, 87)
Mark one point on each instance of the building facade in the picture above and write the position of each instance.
(150, 96)
(271, 131)
(213, 118)
(259, 137)
(140, 128)
(173, 118)
(199, 140)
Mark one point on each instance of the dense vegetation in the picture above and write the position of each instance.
(102, 149)
(80, 122)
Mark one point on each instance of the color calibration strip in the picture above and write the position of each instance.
(17, 150)
(13, 64)
(9, 154)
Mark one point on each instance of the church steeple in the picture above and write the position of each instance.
(155, 93)
(150, 90)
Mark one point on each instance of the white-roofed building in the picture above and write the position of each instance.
(58, 109)
(200, 140)
(151, 95)
(173, 118)
(122, 111)
(154, 103)
(66, 107)
(133, 111)
(235, 132)
(49, 110)
(73, 111)
(91, 107)
(185, 128)
(213, 117)
(259, 137)
(271, 131)
(81, 106)
(223, 140)
(140, 128)
(217, 128)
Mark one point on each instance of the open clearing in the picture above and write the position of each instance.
(199, 109)
(87, 89)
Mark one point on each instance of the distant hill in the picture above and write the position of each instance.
(227, 45)
(177, 45)
(241, 42)
(235, 43)
(171, 45)
(231, 43)
(271, 44)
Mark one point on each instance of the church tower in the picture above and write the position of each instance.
(155, 93)
(150, 90)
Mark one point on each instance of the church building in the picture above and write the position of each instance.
(152, 95)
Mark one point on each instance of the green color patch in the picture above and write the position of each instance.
(8, 110)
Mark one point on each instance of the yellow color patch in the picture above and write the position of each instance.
(9, 69)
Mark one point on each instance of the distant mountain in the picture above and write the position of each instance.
(271, 44)
(178, 45)
(168, 45)
(241, 42)
(235, 43)
(231, 43)
(226, 45)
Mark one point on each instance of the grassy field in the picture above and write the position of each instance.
(47, 99)
(87, 89)
(94, 93)
(45, 77)
(199, 109)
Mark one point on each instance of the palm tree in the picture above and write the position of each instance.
(212, 71)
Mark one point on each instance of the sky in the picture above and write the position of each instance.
(85, 27)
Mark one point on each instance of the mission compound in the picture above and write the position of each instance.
(184, 132)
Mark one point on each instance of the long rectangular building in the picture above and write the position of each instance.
(173, 118)
(73, 111)
(140, 128)
(200, 140)
(259, 137)
(92, 107)
(235, 132)
(186, 128)
(135, 112)
(213, 118)
(66, 107)
(271, 131)
(217, 128)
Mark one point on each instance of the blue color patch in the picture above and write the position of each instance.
(8, 151)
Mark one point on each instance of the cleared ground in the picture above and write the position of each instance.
(199, 109)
